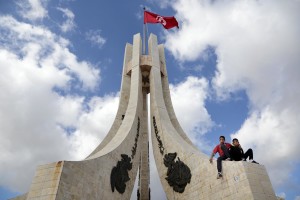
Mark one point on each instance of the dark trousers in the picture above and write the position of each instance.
(249, 153)
(224, 157)
(219, 162)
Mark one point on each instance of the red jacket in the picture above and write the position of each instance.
(219, 150)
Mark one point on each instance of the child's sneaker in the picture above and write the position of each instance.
(219, 175)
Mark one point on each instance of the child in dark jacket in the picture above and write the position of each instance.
(237, 152)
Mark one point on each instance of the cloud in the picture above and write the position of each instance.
(281, 195)
(257, 48)
(94, 36)
(37, 46)
(35, 118)
(69, 24)
(268, 132)
(33, 9)
(189, 97)
(93, 125)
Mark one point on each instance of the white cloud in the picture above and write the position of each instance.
(34, 119)
(94, 36)
(69, 24)
(268, 132)
(93, 125)
(257, 48)
(33, 9)
(188, 98)
(281, 195)
(37, 45)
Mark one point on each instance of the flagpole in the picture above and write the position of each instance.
(144, 40)
(144, 35)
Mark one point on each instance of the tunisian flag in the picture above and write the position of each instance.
(167, 22)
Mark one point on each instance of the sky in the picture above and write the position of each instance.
(233, 68)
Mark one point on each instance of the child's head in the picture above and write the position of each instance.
(235, 142)
(222, 139)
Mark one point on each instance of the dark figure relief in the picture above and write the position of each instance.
(160, 144)
(178, 174)
(119, 174)
(136, 139)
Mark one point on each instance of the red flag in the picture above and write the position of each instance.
(167, 22)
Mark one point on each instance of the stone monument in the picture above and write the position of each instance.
(110, 171)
